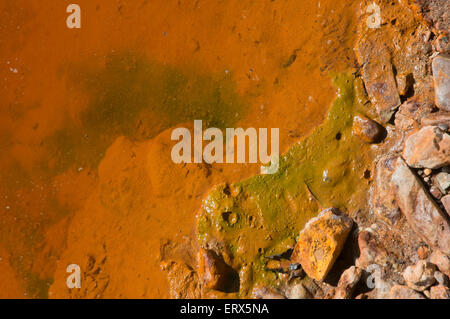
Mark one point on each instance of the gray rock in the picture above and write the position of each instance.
(441, 77)
(422, 213)
(446, 203)
(442, 181)
(441, 278)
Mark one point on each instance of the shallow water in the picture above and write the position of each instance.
(86, 117)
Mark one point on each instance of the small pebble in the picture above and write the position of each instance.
(423, 252)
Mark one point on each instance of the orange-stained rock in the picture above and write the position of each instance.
(212, 269)
(427, 148)
(423, 252)
(446, 203)
(378, 76)
(382, 197)
(370, 251)
(321, 242)
(367, 130)
(437, 118)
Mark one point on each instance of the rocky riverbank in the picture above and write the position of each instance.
(399, 247)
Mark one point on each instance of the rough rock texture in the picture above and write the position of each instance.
(298, 291)
(442, 43)
(427, 148)
(380, 83)
(370, 252)
(408, 115)
(321, 242)
(403, 292)
(442, 181)
(420, 276)
(265, 293)
(446, 203)
(347, 283)
(212, 270)
(441, 278)
(382, 197)
(404, 83)
(437, 118)
(367, 130)
(439, 292)
(422, 213)
(441, 261)
(441, 77)
(434, 12)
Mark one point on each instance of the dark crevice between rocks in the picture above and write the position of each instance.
(233, 283)
(346, 259)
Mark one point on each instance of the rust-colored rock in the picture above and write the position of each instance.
(412, 112)
(442, 43)
(433, 12)
(421, 212)
(369, 251)
(212, 269)
(382, 197)
(368, 130)
(436, 119)
(321, 242)
(427, 148)
(379, 79)
(404, 83)
(423, 252)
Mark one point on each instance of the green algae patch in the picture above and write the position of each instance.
(262, 216)
(127, 94)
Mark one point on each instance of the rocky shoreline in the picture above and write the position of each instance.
(400, 249)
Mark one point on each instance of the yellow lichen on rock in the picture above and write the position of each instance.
(321, 242)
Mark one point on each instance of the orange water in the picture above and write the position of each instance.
(86, 117)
